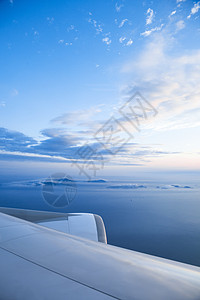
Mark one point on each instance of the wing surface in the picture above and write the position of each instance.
(41, 263)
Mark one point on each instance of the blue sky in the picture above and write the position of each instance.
(67, 67)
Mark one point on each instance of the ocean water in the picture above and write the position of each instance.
(161, 219)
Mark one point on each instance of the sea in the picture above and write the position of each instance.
(159, 216)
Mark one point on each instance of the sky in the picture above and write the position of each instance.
(94, 87)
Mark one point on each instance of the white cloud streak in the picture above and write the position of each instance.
(129, 43)
(149, 32)
(123, 22)
(172, 13)
(194, 9)
(150, 16)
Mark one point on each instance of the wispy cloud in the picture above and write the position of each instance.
(107, 40)
(24, 156)
(172, 13)
(2, 104)
(70, 28)
(118, 7)
(194, 9)
(180, 25)
(150, 16)
(122, 39)
(97, 26)
(149, 32)
(171, 82)
(123, 22)
(68, 44)
(58, 146)
(36, 33)
(76, 116)
(105, 37)
(130, 42)
(50, 20)
(15, 92)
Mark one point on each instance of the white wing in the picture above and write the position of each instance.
(42, 263)
(88, 226)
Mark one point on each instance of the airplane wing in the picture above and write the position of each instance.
(38, 262)
(84, 225)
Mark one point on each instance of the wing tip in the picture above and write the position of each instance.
(101, 231)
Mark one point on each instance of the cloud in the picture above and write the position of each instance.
(11, 140)
(50, 20)
(122, 39)
(118, 7)
(57, 142)
(172, 13)
(98, 27)
(130, 42)
(36, 33)
(180, 25)
(71, 27)
(149, 32)
(123, 22)
(105, 37)
(57, 145)
(170, 82)
(194, 9)
(107, 40)
(2, 104)
(15, 92)
(61, 145)
(150, 16)
(132, 154)
(179, 2)
(76, 117)
(23, 156)
(135, 154)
